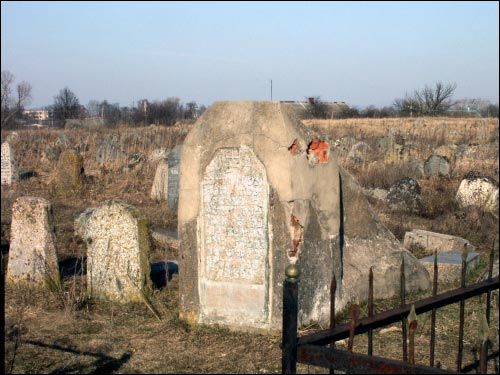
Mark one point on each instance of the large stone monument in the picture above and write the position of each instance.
(32, 254)
(259, 191)
(117, 238)
(9, 168)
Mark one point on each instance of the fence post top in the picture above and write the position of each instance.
(292, 272)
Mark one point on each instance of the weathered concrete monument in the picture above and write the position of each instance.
(32, 254)
(118, 246)
(9, 167)
(259, 191)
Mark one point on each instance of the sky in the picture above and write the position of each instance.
(363, 53)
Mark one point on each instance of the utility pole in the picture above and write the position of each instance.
(271, 90)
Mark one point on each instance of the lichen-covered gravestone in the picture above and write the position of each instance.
(174, 160)
(9, 168)
(159, 190)
(476, 189)
(405, 196)
(70, 172)
(32, 254)
(259, 191)
(117, 238)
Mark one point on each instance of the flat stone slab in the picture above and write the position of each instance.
(166, 238)
(432, 241)
(450, 265)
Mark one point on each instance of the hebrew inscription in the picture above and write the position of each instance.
(234, 234)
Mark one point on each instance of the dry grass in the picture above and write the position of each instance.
(61, 331)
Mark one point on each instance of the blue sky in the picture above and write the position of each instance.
(361, 53)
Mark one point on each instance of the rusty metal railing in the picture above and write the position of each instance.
(318, 348)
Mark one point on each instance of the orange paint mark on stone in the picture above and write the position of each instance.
(297, 236)
(321, 149)
(294, 147)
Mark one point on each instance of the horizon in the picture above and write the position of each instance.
(360, 53)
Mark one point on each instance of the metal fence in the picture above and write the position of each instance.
(318, 349)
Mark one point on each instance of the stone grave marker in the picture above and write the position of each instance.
(174, 160)
(437, 165)
(118, 246)
(432, 241)
(259, 191)
(32, 254)
(478, 190)
(405, 196)
(159, 190)
(9, 171)
(70, 172)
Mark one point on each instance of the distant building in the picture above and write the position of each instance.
(37, 114)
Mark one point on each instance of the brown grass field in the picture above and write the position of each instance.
(60, 331)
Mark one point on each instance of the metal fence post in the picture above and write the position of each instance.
(290, 311)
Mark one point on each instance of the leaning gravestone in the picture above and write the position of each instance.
(174, 160)
(259, 191)
(32, 254)
(117, 237)
(9, 167)
(159, 190)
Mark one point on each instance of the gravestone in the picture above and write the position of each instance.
(359, 152)
(118, 246)
(109, 152)
(432, 241)
(405, 196)
(437, 165)
(450, 265)
(476, 189)
(159, 190)
(174, 160)
(158, 154)
(9, 171)
(32, 253)
(70, 172)
(447, 151)
(80, 222)
(259, 191)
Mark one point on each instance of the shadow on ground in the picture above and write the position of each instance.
(102, 364)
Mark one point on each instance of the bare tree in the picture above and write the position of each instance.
(407, 106)
(66, 105)
(435, 101)
(6, 85)
(13, 107)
